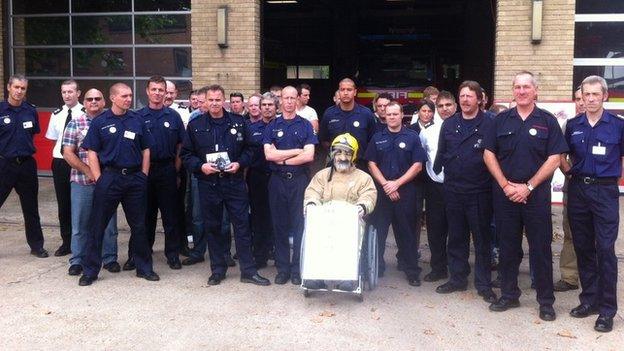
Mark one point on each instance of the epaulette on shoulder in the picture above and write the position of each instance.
(57, 111)
(619, 116)
(83, 109)
(181, 106)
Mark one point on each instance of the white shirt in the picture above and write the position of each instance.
(56, 126)
(308, 113)
(429, 139)
(436, 117)
(183, 111)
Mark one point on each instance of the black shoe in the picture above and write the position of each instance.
(215, 279)
(604, 324)
(75, 269)
(449, 287)
(281, 278)
(184, 251)
(129, 265)
(564, 286)
(41, 253)
(347, 285)
(488, 296)
(315, 284)
(295, 278)
(496, 283)
(62, 251)
(256, 279)
(582, 311)
(229, 260)
(261, 265)
(174, 263)
(151, 276)
(503, 304)
(192, 260)
(435, 276)
(414, 281)
(112, 267)
(547, 313)
(86, 280)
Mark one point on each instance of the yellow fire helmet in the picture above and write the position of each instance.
(345, 142)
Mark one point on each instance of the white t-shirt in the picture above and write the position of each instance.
(183, 111)
(308, 113)
(429, 139)
(56, 126)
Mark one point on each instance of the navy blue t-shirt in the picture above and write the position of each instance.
(394, 153)
(286, 134)
(18, 125)
(359, 122)
(166, 128)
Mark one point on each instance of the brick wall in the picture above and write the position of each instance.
(236, 68)
(551, 60)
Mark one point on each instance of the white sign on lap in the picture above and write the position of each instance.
(331, 244)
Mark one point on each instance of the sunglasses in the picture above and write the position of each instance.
(91, 99)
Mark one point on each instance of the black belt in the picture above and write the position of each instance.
(124, 171)
(594, 180)
(288, 175)
(18, 160)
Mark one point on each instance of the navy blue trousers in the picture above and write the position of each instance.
(535, 218)
(261, 226)
(112, 189)
(286, 204)
(229, 191)
(594, 215)
(469, 213)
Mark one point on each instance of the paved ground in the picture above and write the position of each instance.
(43, 308)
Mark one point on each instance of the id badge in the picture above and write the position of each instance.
(28, 124)
(599, 150)
(128, 134)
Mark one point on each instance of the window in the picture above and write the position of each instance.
(599, 46)
(99, 43)
(307, 72)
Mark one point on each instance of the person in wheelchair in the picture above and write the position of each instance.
(341, 181)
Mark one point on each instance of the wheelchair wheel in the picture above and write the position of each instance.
(371, 258)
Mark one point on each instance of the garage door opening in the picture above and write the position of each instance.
(392, 46)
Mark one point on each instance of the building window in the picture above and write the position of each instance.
(307, 72)
(599, 46)
(99, 43)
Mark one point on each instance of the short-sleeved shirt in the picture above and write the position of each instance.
(166, 128)
(522, 147)
(18, 125)
(395, 152)
(359, 122)
(207, 135)
(118, 140)
(596, 151)
(56, 126)
(255, 135)
(460, 152)
(74, 135)
(286, 134)
(308, 113)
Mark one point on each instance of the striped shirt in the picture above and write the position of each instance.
(74, 135)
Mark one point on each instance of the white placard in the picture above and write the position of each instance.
(331, 242)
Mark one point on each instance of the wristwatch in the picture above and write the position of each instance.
(529, 186)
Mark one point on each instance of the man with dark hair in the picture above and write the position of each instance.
(18, 169)
(118, 145)
(348, 117)
(379, 107)
(70, 92)
(237, 103)
(215, 150)
(303, 109)
(468, 193)
(522, 152)
(167, 130)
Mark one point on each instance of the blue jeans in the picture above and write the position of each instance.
(81, 204)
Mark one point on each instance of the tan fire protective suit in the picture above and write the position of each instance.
(355, 187)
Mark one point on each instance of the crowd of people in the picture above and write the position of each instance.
(482, 176)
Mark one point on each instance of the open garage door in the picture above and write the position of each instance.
(395, 46)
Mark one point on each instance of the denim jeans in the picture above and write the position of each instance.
(81, 205)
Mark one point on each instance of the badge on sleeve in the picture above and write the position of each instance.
(356, 124)
(599, 150)
(28, 124)
(167, 124)
(533, 131)
(7, 120)
(128, 134)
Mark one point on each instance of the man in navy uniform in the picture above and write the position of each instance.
(522, 153)
(596, 140)
(258, 176)
(167, 129)
(395, 157)
(467, 192)
(348, 117)
(119, 158)
(18, 169)
(289, 146)
(71, 109)
(215, 150)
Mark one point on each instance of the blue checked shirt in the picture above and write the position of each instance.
(74, 134)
